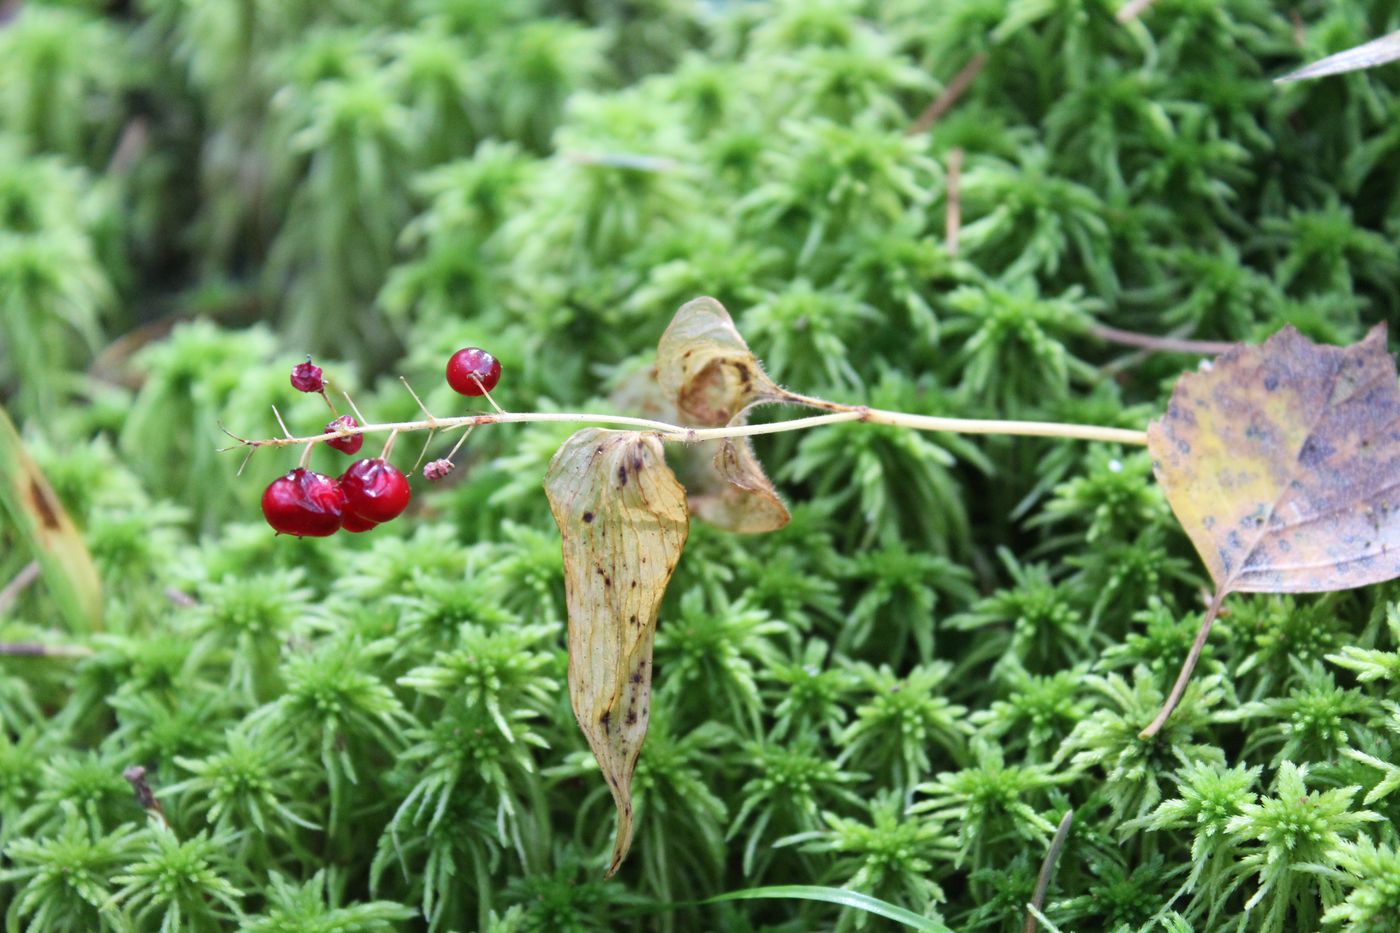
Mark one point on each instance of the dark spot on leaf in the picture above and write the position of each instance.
(1270, 383)
(622, 475)
(43, 505)
(1314, 452)
(588, 516)
(1183, 447)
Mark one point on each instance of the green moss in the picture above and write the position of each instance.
(953, 643)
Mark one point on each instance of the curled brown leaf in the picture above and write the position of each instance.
(705, 367)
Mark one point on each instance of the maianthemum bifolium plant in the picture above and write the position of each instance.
(877, 715)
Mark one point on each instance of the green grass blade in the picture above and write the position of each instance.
(842, 897)
(30, 503)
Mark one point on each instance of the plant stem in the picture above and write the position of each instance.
(28, 649)
(675, 433)
(1187, 666)
(1155, 343)
(1047, 869)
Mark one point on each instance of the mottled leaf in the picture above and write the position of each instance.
(705, 367)
(30, 502)
(622, 515)
(712, 377)
(1282, 463)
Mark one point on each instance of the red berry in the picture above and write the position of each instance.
(374, 490)
(346, 445)
(473, 371)
(306, 377)
(304, 504)
(352, 522)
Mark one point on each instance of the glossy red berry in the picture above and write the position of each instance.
(306, 377)
(471, 365)
(352, 522)
(374, 490)
(346, 445)
(304, 504)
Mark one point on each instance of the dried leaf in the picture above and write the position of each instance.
(29, 500)
(1282, 463)
(1371, 54)
(713, 378)
(707, 369)
(740, 498)
(622, 515)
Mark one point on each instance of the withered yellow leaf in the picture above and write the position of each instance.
(1282, 463)
(705, 367)
(710, 375)
(622, 515)
(737, 495)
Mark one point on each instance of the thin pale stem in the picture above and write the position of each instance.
(679, 434)
(460, 441)
(27, 575)
(952, 219)
(945, 101)
(351, 402)
(482, 387)
(11, 649)
(421, 406)
(422, 454)
(1166, 344)
(280, 422)
(1187, 667)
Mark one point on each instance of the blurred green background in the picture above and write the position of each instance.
(371, 732)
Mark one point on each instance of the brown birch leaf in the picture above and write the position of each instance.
(1282, 463)
(622, 515)
(705, 367)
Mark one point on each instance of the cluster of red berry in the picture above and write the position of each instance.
(371, 491)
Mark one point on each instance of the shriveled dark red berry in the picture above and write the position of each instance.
(346, 445)
(374, 490)
(304, 504)
(352, 522)
(306, 377)
(437, 469)
(473, 371)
